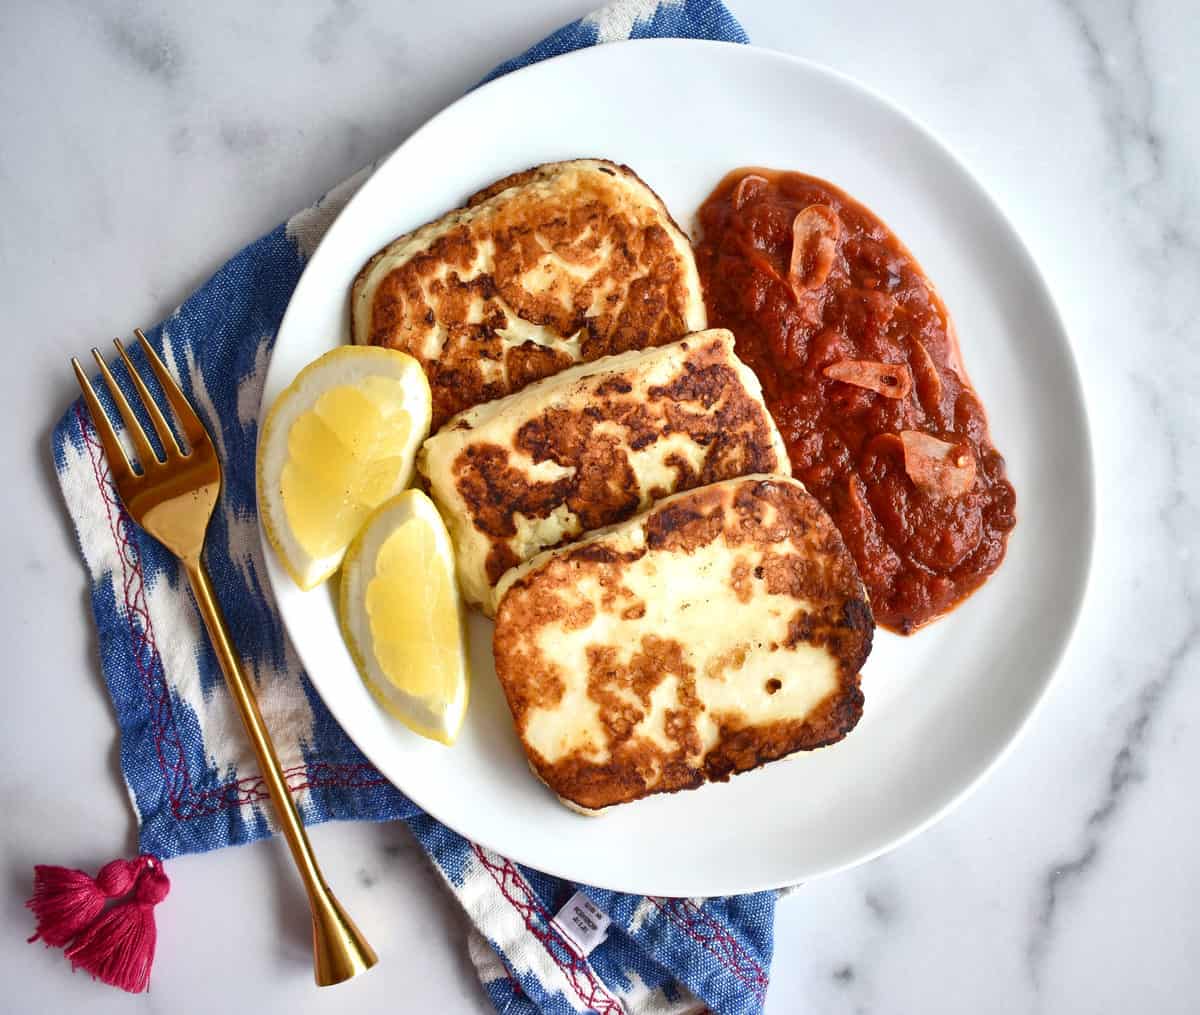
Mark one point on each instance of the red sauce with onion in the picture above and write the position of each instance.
(851, 300)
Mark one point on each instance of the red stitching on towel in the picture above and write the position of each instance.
(184, 801)
(576, 970)
(727, 950)
(133, 591)
(252, 788)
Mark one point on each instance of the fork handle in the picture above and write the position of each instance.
(339, 949)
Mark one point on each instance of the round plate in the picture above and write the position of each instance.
(942, 706)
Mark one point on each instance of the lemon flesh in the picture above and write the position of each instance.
(337, 443)
(402, 616)
(345, 457)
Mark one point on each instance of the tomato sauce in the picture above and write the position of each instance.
(861, 370)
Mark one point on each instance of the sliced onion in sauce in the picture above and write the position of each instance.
(937, 467)
(743, 191)
(766, 267)
(881, 561)
(929, 384)
(892, 380)
(815, 234)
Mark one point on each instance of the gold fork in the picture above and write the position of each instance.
(173, 501)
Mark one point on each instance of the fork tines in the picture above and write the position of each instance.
(189, 423)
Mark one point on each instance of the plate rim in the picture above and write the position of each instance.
(1080, 585)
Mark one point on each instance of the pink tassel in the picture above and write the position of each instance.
(118, 948)
(66, 900)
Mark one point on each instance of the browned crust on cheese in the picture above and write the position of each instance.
(705, 401)
(754, 514)
(648, 306)
(605, 166)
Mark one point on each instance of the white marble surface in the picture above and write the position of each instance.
(141, 147)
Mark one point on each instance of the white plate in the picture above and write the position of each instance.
(941, 707)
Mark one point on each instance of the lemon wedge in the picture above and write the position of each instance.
(338, 442)
(402, 617)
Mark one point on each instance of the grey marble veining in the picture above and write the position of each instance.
(144, 43)
(1154, 203)
(143, 145)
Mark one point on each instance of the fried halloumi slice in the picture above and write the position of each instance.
(560, 264)
(591, 446)
(720, 630)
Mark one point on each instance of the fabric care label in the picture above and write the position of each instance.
(582, 922)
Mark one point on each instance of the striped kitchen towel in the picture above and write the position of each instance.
(185, 758)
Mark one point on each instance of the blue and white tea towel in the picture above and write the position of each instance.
(188, 766)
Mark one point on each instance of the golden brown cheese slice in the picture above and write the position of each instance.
(561, 264)
(592, 446)
(722, 629)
